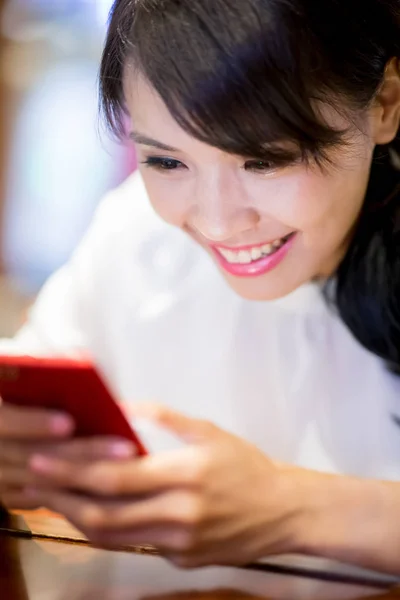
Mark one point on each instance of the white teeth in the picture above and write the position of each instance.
(245, 257)
(228, 255)
(267, 249)
(256, 253)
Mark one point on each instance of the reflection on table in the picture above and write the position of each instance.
(36, 566)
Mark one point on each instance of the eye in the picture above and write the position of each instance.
(259, 166)
(163, 164)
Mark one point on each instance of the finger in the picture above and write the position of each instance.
(17, 499)
(33, 424)
(15, 477)
(77, 509)
(101, 448)
(188, 429)
(14, 453)
(129, 478)
(88, 516)
(19, 454)
(170, 509)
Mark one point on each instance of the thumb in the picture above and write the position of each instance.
(188, 429)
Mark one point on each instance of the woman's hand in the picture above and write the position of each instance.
(217, 501)
(26, 432)
(221, 501)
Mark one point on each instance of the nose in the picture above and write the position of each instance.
(221, 210)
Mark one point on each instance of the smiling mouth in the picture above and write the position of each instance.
(252, 254)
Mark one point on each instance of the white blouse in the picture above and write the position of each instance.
(152, 309)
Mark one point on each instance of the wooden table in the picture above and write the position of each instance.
(43, 558)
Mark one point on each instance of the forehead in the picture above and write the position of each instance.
(145, 106)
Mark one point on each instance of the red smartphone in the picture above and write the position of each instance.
(70, 386)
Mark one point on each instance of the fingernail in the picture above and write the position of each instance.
(123, 450)
(61, 424)
(41, 464)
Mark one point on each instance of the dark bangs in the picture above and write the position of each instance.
(245, 77)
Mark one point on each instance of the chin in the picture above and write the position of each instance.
(261, 289)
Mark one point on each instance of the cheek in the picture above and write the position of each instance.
(314, 203)
(298, 201)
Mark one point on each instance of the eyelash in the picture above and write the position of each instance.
(159, 163)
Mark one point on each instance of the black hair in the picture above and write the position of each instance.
(247, 75)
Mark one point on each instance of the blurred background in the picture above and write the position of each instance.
(56, 162)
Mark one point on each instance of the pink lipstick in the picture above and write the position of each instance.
(253, 261)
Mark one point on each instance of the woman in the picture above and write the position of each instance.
(267, 136)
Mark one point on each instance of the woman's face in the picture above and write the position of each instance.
(267, 231)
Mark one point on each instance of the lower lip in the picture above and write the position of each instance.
(258, 267)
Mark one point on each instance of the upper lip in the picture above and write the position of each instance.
(249, 246)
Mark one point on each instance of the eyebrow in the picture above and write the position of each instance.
(143, 140)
